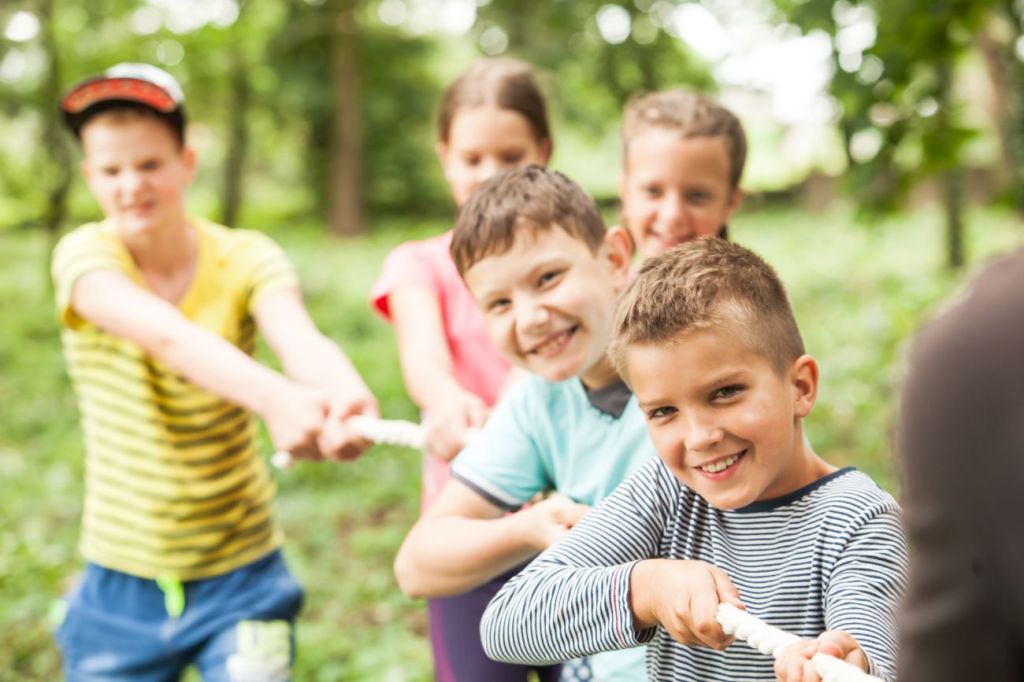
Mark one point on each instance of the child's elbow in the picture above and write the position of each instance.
(408, 576)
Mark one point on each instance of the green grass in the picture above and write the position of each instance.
(859, 293)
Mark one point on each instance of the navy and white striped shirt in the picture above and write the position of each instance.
(830, 556)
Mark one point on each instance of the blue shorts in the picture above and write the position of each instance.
(117, 627)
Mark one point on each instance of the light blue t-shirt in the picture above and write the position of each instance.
(553, 436)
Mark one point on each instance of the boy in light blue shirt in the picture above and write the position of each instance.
(535, 254)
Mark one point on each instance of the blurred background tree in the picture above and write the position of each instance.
(323, 109)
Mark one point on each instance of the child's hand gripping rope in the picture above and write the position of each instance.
(773, 641)
(385, 431)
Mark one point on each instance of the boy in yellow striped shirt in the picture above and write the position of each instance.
(159, 312)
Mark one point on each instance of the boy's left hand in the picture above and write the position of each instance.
(794, 665)
(337, 440)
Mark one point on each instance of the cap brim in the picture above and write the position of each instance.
(121, 89)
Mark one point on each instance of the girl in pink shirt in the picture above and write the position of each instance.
(492, 117)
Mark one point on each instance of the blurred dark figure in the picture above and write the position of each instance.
(962, 445)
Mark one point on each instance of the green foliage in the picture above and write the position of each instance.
(595, 78)
(903, 88)
(858, 294)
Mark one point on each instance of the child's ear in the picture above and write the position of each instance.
(618, 248)
(188, 157)
(803, 376)
(441, 149)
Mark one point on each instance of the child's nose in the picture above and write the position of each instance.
(132, 180)
(488, 168)
(530, 314)
(673, 212)
(700, 433)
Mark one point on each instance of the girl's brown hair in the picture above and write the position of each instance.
(502, 82)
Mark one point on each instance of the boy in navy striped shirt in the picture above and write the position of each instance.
(737, 508)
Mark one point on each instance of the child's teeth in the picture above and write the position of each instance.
(721, 465)
(553, 342)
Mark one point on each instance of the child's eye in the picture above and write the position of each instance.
(150, 165)
(652, 191)
(697, 197)
(109, 171)
(471, 160)
(727, 392)
(498, 305)
(512, 158)
(660, 413)
(548, 277)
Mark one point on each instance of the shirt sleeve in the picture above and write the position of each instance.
(406, 265)
(268, 268)
(507, 462)
(85, 250)
(866, 586)
(574, 600)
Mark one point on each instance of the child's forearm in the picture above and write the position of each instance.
(214, 364)
(323, 364)
(449, 555)
(423, 352)
(556, 612)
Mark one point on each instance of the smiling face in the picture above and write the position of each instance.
(723, 420)
(484, 140)
(675, 189)
(137, 171)
(549, 302)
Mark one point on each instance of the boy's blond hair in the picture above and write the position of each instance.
(691, 115)
(708, 284)
(528, 199)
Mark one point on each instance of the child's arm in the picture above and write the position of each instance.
(603, 588)
(311, 359)
(463, 540)
(294, 414)
(428, 372)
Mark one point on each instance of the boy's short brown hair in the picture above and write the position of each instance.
(691, 115)
(708, 284)
(523, 199)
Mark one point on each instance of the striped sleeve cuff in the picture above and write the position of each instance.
(626, 635)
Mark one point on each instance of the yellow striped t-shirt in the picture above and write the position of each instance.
(174, 483)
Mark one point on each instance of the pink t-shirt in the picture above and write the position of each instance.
(477, 364)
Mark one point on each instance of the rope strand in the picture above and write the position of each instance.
(771, 641)
(384, 431)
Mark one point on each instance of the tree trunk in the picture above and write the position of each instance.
(238, 138)
(345, 172)
(952, 178)
(953, 203)
(57, 161)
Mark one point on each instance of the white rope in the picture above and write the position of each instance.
(771, 641)
(384, 431)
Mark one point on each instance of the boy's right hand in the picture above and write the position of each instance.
(683, 596)
(448, 424)
(543, 524)
(295, 418)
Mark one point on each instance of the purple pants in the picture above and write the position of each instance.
(455, 640)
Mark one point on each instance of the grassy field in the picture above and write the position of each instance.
(859, 292)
